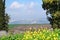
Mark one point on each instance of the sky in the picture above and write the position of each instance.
(25, 10)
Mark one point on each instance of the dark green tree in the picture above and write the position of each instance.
(52, 8)
(4, 18)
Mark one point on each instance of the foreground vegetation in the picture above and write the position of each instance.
(35, 35)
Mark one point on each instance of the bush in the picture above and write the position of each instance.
(35, 35)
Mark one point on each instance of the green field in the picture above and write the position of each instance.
(13, 25)
(16, 25)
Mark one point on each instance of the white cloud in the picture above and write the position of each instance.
(32, 4)
(21, 11)
(15, 4)
(12, 20)
(34, 22)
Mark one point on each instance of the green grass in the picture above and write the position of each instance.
(12, 37)
(16, 25)
(13, 25)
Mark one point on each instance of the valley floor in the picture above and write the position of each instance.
(26, 27)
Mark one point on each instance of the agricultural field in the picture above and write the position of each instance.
(18, 28)
(17, 25)
(13, 25)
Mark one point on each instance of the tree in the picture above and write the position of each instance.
(3, 16)
(52, 7)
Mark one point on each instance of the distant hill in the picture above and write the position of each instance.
(30, 22)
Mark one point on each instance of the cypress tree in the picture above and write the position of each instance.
(4, 18)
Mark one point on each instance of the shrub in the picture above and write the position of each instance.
(35, 35)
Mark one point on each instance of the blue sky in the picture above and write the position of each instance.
(25, 10)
